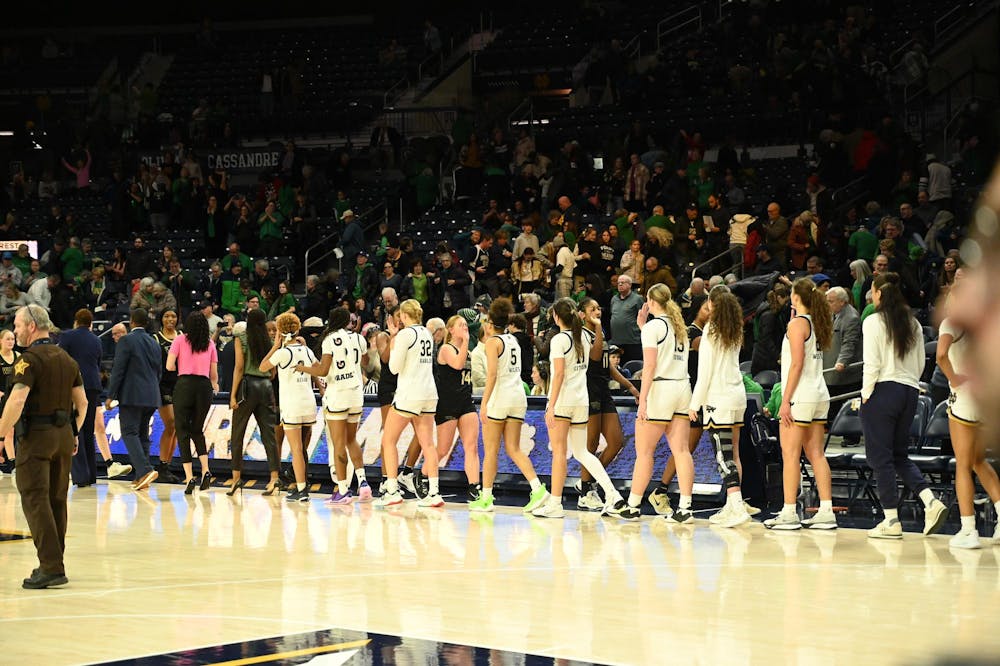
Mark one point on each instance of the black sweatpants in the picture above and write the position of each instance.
(886, 419)
(192, 399)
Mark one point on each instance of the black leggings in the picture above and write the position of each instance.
(257, 399)
(192, 398)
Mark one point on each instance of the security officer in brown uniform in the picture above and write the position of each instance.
(47, 388)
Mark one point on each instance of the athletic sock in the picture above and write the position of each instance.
(734, 498)
(535, 484)
(390, 486)
(826, 505)
(300, 486)
(968, 523)
(108, 461)
(996, 505)
(926, 496)
(342, 486)
(404, 469)
(360, 475)
(333, 474)
(488, 492)
(634, 500)
(788, 509)
(685, 502)
(891, 514)
(664, 487)
(433, 488)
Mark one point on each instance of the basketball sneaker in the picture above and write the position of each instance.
(389, 499)
(680, 517)
(364, 492)
(536, 499)
(298, 495)
(934, 516)
(118, 469)
(614, 506)
(482, 504)
(752, 510)
(430, 502)
(735, 515)
(821, 520)
(339, 498)
(630, 513)
(784, 522)
(590, 502)
(965, 539)
(660, 501)
(475, 492)
(551, 508)
(405, 481)
(887, 529)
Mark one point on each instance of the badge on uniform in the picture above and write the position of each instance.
(20, 367)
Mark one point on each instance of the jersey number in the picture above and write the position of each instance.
(466, 377)
(426, 347)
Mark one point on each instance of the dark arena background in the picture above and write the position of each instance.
(213, 159)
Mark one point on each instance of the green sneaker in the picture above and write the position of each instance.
(536, 499)
(484, 504)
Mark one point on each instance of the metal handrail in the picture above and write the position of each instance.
(636, 51)
(439, 56)
(726, 252)
(402, 82)
(939, 31)
(694, 13)
(307, 263)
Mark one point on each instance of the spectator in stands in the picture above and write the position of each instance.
(243, 229)
(770, 322)
(163, 300)
(527, 272)
(479, 264)
(362, 281)
(352, 242)
(10, 301)
(210, 286)
(526, 239)
(845, 349)
(71, 260)
(798, 243)
(452, 281)
(35, 274)
(40, 292)
(304, 220)
(141, 261)
(216, 228)
(416, 284)
(636, 181)
(861, 274)
(938, 183)
(22, 260)
(766, 263)
(263, 276)
(925, 210)
(633, 263)
(235, 256)
(9, 273)
(270, 239)
(390, 278)
(656, 273)
(51, 258)
(565, 267)
(776, 232)
(62, 303)
(625, 306)
(81, 170)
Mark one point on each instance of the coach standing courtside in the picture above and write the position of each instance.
(47, 388)
(135, 384)
(85, 348)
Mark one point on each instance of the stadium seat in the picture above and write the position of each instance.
(767, 378)
(634, 368)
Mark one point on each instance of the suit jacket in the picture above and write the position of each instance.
(85, 348)
(845, 348)
(135, 376)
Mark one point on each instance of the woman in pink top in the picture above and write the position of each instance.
(82, 171)
(194, 357)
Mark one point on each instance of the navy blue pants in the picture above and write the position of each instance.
(886, 420)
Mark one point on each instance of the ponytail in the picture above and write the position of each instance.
(659, 293)
(895, 313)
(565, 311)
(819, 310)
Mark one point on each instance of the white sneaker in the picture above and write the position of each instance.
(431, 501)
(887, 529)
(590, 502)
(965, 539)
(552, 508)
(660, 501)
(784, 522)
(996, 535)
(405, 482)
(736, 516)
(614, 506)
(118, 469)
(934, 516)
(720, 516)
(389, 499)
(750, 509)
(822, 520)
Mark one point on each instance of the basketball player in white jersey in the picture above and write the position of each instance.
(568, 411)
(966, 434)
(664, 397)
(805, 402)
(504, 406)
(343, 400)
(411, 358)
(295, 391)
(720, 393)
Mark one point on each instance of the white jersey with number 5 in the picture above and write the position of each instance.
(412, 359)
(509, 389)
(346, 349)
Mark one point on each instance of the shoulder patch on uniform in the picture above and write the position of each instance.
(21, 366)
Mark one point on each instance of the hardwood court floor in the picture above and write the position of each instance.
(158, 572)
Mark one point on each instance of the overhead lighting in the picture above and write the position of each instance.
(6, 133)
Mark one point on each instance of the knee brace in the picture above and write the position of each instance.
(727, 468)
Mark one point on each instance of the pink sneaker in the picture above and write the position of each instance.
(364, 492)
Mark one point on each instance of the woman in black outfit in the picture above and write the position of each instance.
(168, 437)
(252, 395)
(772, 321)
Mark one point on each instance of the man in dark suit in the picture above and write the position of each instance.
(135, 384)
(85, 348)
